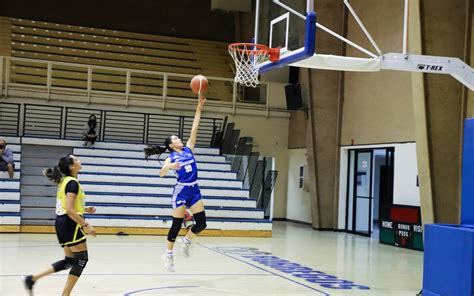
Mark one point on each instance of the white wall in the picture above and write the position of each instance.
(405, 171)
(405, 191)
(344, 161)
(298, 202)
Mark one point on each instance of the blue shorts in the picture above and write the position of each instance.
(185, 195)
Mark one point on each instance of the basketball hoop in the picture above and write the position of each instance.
(247, 58)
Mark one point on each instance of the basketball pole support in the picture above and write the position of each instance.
(405, 29)
(391, 61)
(429, 64)
(257, 16)
(363, 28)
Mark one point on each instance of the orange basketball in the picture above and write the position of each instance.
(199, 84)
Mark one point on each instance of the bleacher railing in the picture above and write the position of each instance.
(89, 81)
(9, 119)
(61, 122)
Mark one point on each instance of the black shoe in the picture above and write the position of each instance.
(29, 283)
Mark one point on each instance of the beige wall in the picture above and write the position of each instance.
(271, 139)
(299, 202)
(5, 36)
(444, 35)
(377, 106)
(297, 132)
(470, 95)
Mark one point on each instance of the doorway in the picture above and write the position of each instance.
(369, 189)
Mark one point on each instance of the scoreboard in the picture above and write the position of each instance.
(403, 228)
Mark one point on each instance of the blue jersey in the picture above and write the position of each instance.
(187, 172)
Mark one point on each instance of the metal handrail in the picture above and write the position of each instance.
(6, 69)
(63, 122)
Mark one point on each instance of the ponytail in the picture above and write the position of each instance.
(53, 174)
(56, 173)
(152, 150)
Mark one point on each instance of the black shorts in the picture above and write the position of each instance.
(69, 232)
(3, 165)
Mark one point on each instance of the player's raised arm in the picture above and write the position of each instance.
(197, 117)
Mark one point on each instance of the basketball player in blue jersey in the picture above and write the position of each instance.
(186, 192)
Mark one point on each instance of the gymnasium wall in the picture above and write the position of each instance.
(377, 106)
(297, 132)
(405, 186)
(270, 136)
(470, 95)
(368, 108)
(380, 108)
(443, 32)
(299, 201)
(5, 36)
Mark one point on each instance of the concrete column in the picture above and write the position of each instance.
(324, 95)
(443, 33)
(470, 95)
(420, 117)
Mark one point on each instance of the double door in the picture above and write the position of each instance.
(370, 185)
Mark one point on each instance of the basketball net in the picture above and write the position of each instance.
(247, 58)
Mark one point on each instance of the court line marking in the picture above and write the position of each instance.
(150, 274)
(93, 246)
(159, 288)
(274, 273)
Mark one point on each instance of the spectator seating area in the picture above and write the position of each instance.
(127, 191)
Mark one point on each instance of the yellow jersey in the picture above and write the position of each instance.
(80, 202)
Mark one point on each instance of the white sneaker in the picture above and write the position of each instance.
(184, 247)
(169, 262)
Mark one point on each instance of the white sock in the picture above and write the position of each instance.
(186, 240)
(169, 253)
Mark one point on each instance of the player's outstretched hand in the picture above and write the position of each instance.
(202, 100)
(90, 210)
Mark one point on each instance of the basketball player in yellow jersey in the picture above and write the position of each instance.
(71, 228)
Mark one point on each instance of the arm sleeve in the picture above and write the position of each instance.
(72, 187)
(8, 155)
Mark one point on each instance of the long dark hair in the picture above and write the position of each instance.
(56, 173)
(92, 121)
(156, 149)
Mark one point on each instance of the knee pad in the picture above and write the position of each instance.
(80, 262)
(200, 225)
(63, 264)
(175, 228)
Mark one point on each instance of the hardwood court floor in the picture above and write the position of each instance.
(295, 261)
